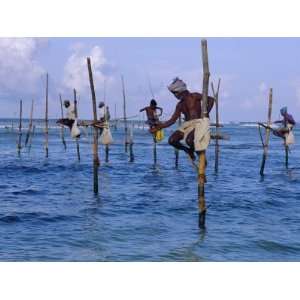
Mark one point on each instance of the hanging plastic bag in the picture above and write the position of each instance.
(106, 137)
(75, 131)
(159, 135)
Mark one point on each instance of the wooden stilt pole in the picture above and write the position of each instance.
(62, 132)
(20, 130)
(202, 156)
(30, 125)
(124, 115)
(115, 116)
(107, 153)
(217, 146)
(176, 150)
(286, 156)
(106, 120)
(30, 138)
(154, 150)
(95, 144)
(131, 155)
(267, 136)
(46, 121)
(76, 116)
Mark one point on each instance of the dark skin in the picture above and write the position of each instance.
(151, 112)
(190, 106)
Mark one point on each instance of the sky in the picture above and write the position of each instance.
(248, 67)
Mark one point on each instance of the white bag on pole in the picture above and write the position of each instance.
(75, 131)
(106, 137)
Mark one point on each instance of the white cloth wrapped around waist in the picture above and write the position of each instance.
(289, 136)
(201, 135)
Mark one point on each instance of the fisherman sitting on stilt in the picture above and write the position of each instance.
(102, 117)
(153, 118)
(103, 124)
(285, 130)
(195, 130)
(70, 121)
(287, 125)
(151, 111)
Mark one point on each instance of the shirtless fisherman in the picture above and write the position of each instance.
(152, 116)
(190, 106)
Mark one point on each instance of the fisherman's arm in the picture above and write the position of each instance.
(161, 111)
(172, 120)
(290, 119)
(141, 110)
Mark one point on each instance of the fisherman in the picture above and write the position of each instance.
(102, 117)
(103, 124)
(70, 119)
(102, 110)
(152, 115)
(195, 130)
(287, 125)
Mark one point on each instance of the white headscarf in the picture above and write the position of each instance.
(177, 86)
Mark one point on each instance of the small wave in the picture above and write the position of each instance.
(27, 192)
(272, 246)
(35, 217)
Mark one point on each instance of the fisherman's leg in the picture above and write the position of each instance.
(190, 142)
(66, 122)
(174, 140)
(279, 133)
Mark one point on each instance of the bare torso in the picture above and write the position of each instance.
(190, 107)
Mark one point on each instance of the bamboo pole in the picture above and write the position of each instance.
(20, 130)
(176, 150)
(62, 132)
(96, 160)
(124, 115)
(131, 155)
(267, 136)
(286, 156)
(115, 116)
(106, 121)
(286, 148)
(217, 146)
(202, 156)
(76, 116)
(46, 120)
(30, 138)
(154, 150)
(106, 146)
(30, 125)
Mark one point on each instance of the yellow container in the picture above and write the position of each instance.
(159, 135)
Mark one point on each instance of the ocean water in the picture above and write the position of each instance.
(48, 211)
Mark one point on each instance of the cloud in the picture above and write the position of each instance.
(76, 72)
(19, 71)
